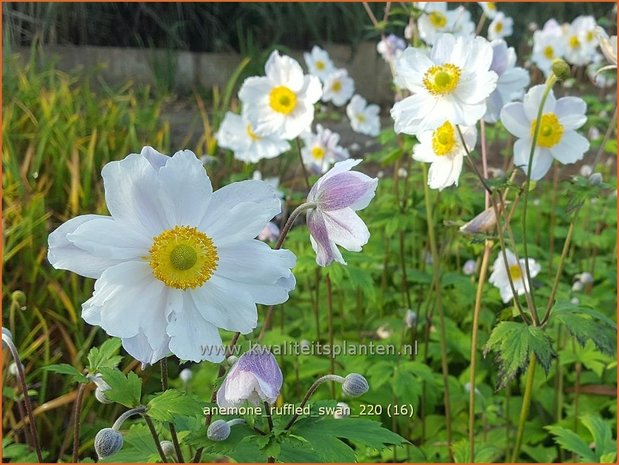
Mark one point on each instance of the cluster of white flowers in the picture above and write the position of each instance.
(577, 42)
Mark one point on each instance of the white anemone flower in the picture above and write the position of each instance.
(548, 45)
(281, 103)
(338, 195)
(450, 84)
(461, 22)
(489, 9)
(318, 62)
(511, 83)
(322, 149)
(516, 270)
(608, 45)
(579, 50)
(338, 88)
(433, 21)
(175, 262)
(557, 138)
(237, 134)
(364, 118)
(444, 150)
(500, 27)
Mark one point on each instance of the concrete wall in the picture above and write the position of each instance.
(118, 65)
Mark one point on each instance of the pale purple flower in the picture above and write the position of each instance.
(390, 47)
(337, 195)
(255, 378)
(270, 233)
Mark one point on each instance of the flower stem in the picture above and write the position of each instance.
(524, 411)
(305, 175)
(549, 83)
(291, 219)
(439, 306)
(153, 432)
(121, 419)
(164, 386)
(478, 297)
(330, 328)
(24, 388)
(77, 410)
(310, 392)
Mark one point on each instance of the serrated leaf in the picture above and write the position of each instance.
(584, 323)
(171, 404)
(570, 441)
(602, 435)
(66, 369)
(125, 390)
(514, 343)
(105, 356)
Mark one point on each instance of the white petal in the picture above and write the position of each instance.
(533, 99)
(345, 228)
(106, 237)
(571, 112)
(240, 211)
(140, 349)
(515, 120)
(132, 194)
(284, 70)
(64, 255)
(191, 336)
(571, 148)
(155, 158)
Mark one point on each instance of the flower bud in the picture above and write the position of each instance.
(168, 449)
(19, 298)
(108, 441)
(482, 223)
(383, 332)
(577, 286)
(232, 360)
(595, 179)
(561, 69)
(575, 301)
(586, 170)
(13, 369)
(410, 318)
(100, 395)
(342, 410)
(469, 268)
(355, 385)
(219, 430)
(585, 278)
(185, 375)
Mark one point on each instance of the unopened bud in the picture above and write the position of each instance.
(219, 430)
(585, 278)
(108, 441)
(168, 448)
(13, 371)
(482, 223)
(586, 170)
(19, 298)
(185, 375)
(577, 286)
(100, 395)
(595, 179)
(232, 360)
(561, 69)
(469, 268)
(410, 318)
(355, 385)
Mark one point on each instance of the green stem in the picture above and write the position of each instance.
(549, 83)
(439, 306)
(153, 433)
(164, 386)
(305, 175)
(330, 328)
(524, 411)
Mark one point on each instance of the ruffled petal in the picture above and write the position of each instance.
(326, 250)
(345, 228)
(64, 255)
(348, 189)
(106, 237)
(515, 120)
(571, 148)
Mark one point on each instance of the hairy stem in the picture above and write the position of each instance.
(310, 392)
(153, 433)
(524, 411)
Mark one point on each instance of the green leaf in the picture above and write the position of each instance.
(570, 441)
(514, 343)
(171, 404)
(105, 356)
(602, 435)
(125, 390)
(66, 369)
(585, 324)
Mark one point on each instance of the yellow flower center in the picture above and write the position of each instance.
(550, 130)
(549, 52)
(515, 272)
(320, 65)
(360, 117)
(318, 153)
(183, 257)
(442, 79)
(438, 19)
(336, 86)
(282, 100)
(491, 6)
(590, 36)
(498, 27)
(574, 42)
(252, 134)
(444, 139)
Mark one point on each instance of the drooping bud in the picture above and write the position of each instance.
(185, 375)
(577, 286)
(100, 395)
(585, 278)
(168, 449)
(355, 385)
(19, 298)
(13, 371)
(108, 441)
(469, 268)
(595, 179)
(561, 69)
(219, 430)
(483, 223)
(230, 361)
